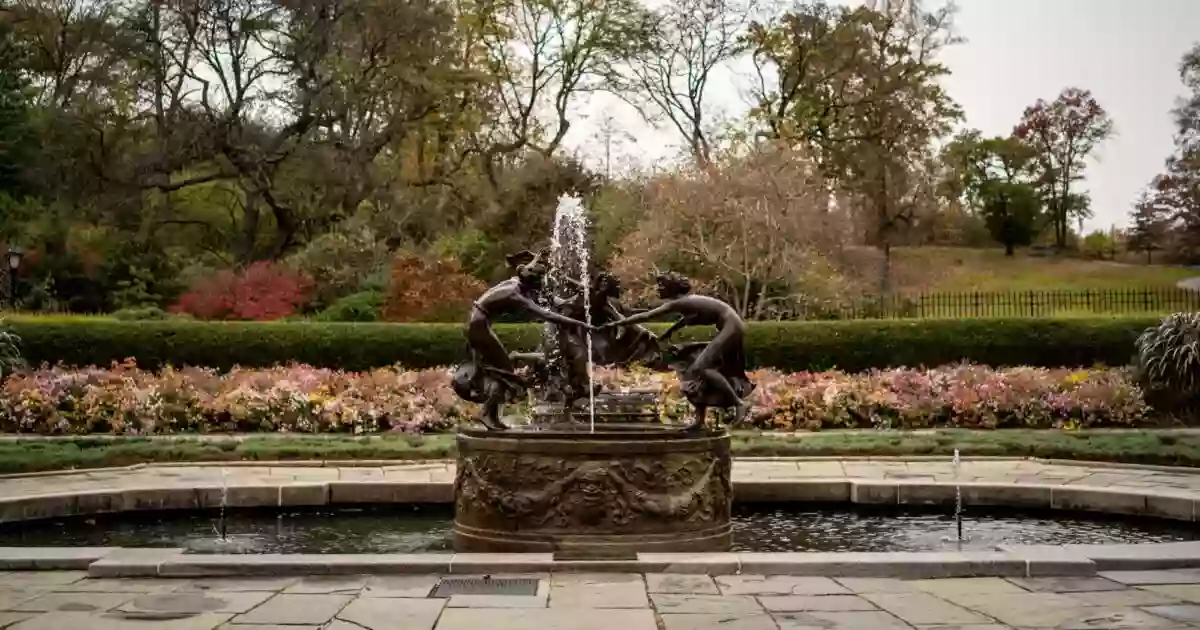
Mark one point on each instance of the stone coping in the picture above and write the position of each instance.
(1177, 505)
(1008, 561)
(1170, 493)
(395, 463)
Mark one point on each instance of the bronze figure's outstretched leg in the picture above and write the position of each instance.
(490, 416)
(705, 365)
(495, 368)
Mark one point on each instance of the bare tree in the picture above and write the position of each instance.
(542, 55)
(74, 52)
(610, 134)
(754, 229)
(669, 79)
(252, 91)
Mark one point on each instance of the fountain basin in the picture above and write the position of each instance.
(620, 490)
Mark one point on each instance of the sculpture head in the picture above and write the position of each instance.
(672, 285)
(606, 285)
(531, 268)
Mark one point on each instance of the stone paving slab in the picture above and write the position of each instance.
(389, 614)
(604, 590)
(185, 603)
(828, 603)
(87, 621)
(73, 602)
(544, 619)
(285, 609)
(681, 583)
(875, 620)
(757, 621)
(778, 585)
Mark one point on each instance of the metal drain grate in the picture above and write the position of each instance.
(488, 586)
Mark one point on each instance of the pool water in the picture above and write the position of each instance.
(423, 528)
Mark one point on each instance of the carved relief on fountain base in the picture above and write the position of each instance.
(607, 493)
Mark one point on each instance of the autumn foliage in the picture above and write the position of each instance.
(1063, 134)
(756, 229)
(428, 290)
(264, 291)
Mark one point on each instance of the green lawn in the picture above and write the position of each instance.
(1129, 447)
(966, 270)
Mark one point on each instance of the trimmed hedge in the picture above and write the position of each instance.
(791, 346)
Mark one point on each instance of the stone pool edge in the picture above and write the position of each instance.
(1179, 505)
(1010, 561)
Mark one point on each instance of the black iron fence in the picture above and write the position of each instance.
(1002, 304)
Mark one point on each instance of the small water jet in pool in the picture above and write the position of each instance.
(958, 505)
(221, 524)
(958, 508)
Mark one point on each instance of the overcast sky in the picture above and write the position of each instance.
(1125, 51)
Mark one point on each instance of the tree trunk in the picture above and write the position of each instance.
(245, 244)
(1063, 210)
(1008, 249)
(885, 269)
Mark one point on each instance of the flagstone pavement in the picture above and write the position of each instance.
(1014, 471)
(570, 601)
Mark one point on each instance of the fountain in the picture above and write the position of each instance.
(605, 478)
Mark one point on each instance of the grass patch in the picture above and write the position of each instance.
(1144, 447)
(966, 270)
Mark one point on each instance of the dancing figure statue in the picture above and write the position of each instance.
(631, 344)
(610, 346)
(489, 376)
(715, 372)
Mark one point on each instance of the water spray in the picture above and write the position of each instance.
(569, 257)
(221, 528)
(957, 498)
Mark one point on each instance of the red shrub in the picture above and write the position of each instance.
(429, 290)
(263, 291)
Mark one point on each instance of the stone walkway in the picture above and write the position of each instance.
(996, 471)
(564, 601)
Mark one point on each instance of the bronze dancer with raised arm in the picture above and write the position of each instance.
(716, 376)
(489, 378)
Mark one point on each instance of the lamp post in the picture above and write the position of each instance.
(14, 262)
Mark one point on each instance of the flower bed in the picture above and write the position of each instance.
(126, 400)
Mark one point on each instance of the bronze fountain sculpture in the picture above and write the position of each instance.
(490, 377)
(713, 374)
(587, 489)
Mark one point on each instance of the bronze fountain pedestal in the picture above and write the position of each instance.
(623, 489)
